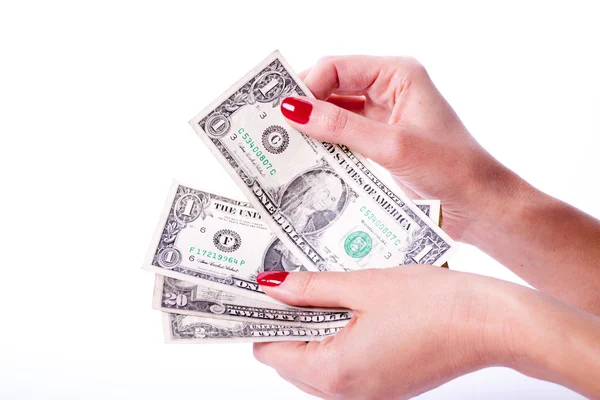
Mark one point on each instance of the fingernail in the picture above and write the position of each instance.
(271, 278)
(296, 109)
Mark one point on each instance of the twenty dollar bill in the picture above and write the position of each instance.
(182, 297)
(192, 329)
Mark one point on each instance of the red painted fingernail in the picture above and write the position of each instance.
(271, 278)
(296, 109)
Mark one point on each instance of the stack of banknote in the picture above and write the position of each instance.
(310, 206)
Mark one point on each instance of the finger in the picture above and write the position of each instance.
(317, 289)
(304, 387)
(358, 75)
(320, 365)
(293, 359)
(352, 75)
(302, 75)
(326, 122)
(355, 104)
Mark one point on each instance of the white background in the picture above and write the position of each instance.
(94, 103)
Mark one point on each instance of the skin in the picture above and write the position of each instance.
(450, 323)
(417, 327)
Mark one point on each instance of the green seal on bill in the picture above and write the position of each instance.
(358, 244)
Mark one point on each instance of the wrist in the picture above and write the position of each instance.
(500, 323)
(557, 343)
(496, 201)
(507, 331)
(488, 325)
(539, 336)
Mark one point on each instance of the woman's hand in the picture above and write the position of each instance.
(417, 327)
(390, 111)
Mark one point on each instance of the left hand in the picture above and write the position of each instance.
(415, 328)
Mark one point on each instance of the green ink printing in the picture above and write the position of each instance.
(358, 244)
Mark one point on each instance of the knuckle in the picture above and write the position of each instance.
(394, 150)
(326, 59)
(308, 285)
(336, 122)
(409, 70)
(414, 67)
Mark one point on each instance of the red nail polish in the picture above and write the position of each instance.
(271, 278)
(296, 109)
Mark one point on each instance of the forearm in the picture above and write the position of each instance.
(551, 245)
(555, 342)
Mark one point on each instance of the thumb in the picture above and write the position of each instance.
(317, 289)
(329, 123)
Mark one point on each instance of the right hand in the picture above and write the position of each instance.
(389, 110)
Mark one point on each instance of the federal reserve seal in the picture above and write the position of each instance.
(358, 244)
(227, 240)
(275, 139)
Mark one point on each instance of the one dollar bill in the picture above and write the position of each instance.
(219, 243)
(326, 206)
